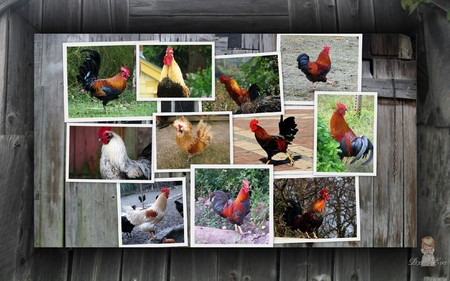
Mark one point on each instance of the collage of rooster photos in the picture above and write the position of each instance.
(270, 155)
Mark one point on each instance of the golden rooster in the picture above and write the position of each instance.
(186, 141)
(171, 83)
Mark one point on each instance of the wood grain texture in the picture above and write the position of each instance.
(145, 265)
(141, 8)
(4, 37)
(96, 264)
(193, 264)
(239, 264)
(355, 15)
(313, 16)
(91, 215)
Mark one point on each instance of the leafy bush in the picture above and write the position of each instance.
(200, 83)
(327, 150)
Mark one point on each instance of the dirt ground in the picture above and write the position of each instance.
(169, 156)
(248, 151)
(344, 55)
(172, 218)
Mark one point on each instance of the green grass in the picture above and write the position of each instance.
(82, 105)
(360, 125)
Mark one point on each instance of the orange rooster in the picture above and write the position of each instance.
(349, 143)
(171, 83)
(103, 89)
(316, 71)
(238, 95)
(277, 143)
(147, 219)
(311, 220)
(114, 161)
(187, 141)
(236, 211)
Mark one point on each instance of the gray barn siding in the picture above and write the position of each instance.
(20, 19)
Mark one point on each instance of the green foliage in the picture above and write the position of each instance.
(412, 5)
(327, 150)
(200, 82)
(260, 70)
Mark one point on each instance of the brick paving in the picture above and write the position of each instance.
(248, 151)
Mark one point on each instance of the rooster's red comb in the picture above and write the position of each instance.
(166, 191)
(103, 130)
(169, 49)
(254, 122)
(341, 105)
(326, 49)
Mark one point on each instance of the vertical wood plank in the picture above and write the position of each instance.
(97, 16)
(19, 111)
(351, 264)
(120, 10)
(145, 265)
(16, 201)
(355, 16)
(388, 185)
(268, 42)
(312, 15)
(91, 215)
(31, 11)
(46, 264)
(293, 264)
(366, 205)
(320, 264)
(49, 158)
(62, 15)
(96, 264)
(410, 173)
(4, 37)
(388, 264)
(390, 17)
(247, 264)
(193, 264)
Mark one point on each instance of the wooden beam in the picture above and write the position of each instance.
(404, 89)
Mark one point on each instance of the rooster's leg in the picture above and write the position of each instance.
(307, 235)
(315, 236)
(152, 235)
(106, 111)
(268, 161)
(333, 84)
(313, 87)
(290, 159)
(240, 229)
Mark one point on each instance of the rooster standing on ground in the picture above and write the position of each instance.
(171, 83)
(236, 211)
(103, 89)
(309, 221)
(316, 71)
(114, 161)
(187, 141)
(349, 143)
(237, 94)
(277, 143)
(147, 219)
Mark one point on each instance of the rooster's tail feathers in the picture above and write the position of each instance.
(204, 132)
(303, 61)
(288, 128)
(88, 71)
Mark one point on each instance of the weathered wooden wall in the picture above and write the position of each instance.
(19, 20)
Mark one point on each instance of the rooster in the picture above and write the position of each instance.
(349, 144)
(114, 161)
(187, 141)
(103, 89)
(236, 211)
(316, 71)
(147, 219)
(278, 143)
(238, 95)
(171, 83)
(309, 221)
